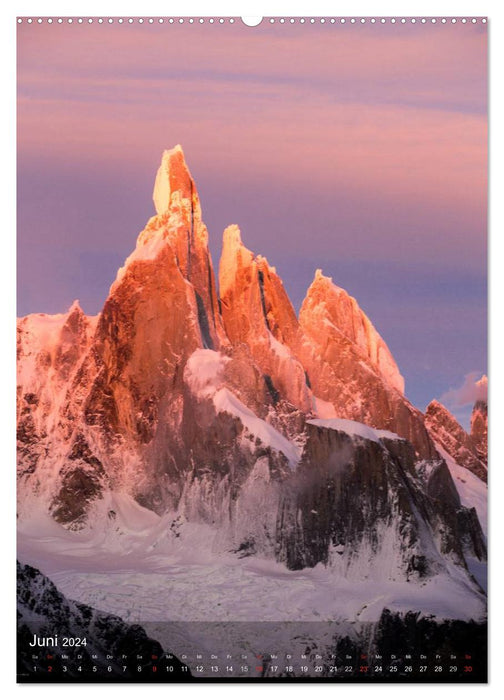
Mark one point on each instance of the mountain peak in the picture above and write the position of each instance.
(438, 407)
(172, 176)
(325, 284)
(319, 275)
(328, 306)
(75, 307)
(231, 237)
(234, 255)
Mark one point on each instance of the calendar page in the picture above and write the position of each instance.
(251, 359)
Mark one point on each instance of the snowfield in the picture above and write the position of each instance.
(147, 568)
(259, 590)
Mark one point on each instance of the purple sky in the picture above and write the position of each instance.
(358, 149)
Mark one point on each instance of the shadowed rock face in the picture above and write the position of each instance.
(398, 634)
(463, 448)
(81, 482)
(108, 405)
(344, 493)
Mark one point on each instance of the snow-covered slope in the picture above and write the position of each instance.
(472, 490)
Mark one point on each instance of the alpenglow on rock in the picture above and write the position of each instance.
(257, 313)
(447, 432)
(336, 307)
(203, 411)
(173, 179)
(349, 365)
(479, 429)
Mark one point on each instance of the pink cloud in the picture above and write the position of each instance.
(472, 390)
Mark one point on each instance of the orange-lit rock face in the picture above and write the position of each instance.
(121, 374)
(178, 224)
(148, 328)
(332, 353)
(479, 429)
(173, 180)
(463, 448)
(350, 366)
(329, 312)
(257, 312)
(162, 306)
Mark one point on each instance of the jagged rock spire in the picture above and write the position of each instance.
(256, 311)
(479, 428)
(178, 232)
(451, 436)
(350, 365)
(173, 179)
(325, 299)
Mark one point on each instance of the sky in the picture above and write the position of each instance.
(360, 149)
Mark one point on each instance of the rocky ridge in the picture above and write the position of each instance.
(468, 451)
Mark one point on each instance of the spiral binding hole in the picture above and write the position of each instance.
(252, 21)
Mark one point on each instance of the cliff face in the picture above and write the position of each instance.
(384, 531)
(207, 409)
(329, 306)
(447, 432)
(479, 429)
(258, 315)
(350, 366)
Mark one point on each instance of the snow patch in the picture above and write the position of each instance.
(388, 435)
(351, 427)
(226, 402)
(323, 409)
(204, 371)
(279, 348)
